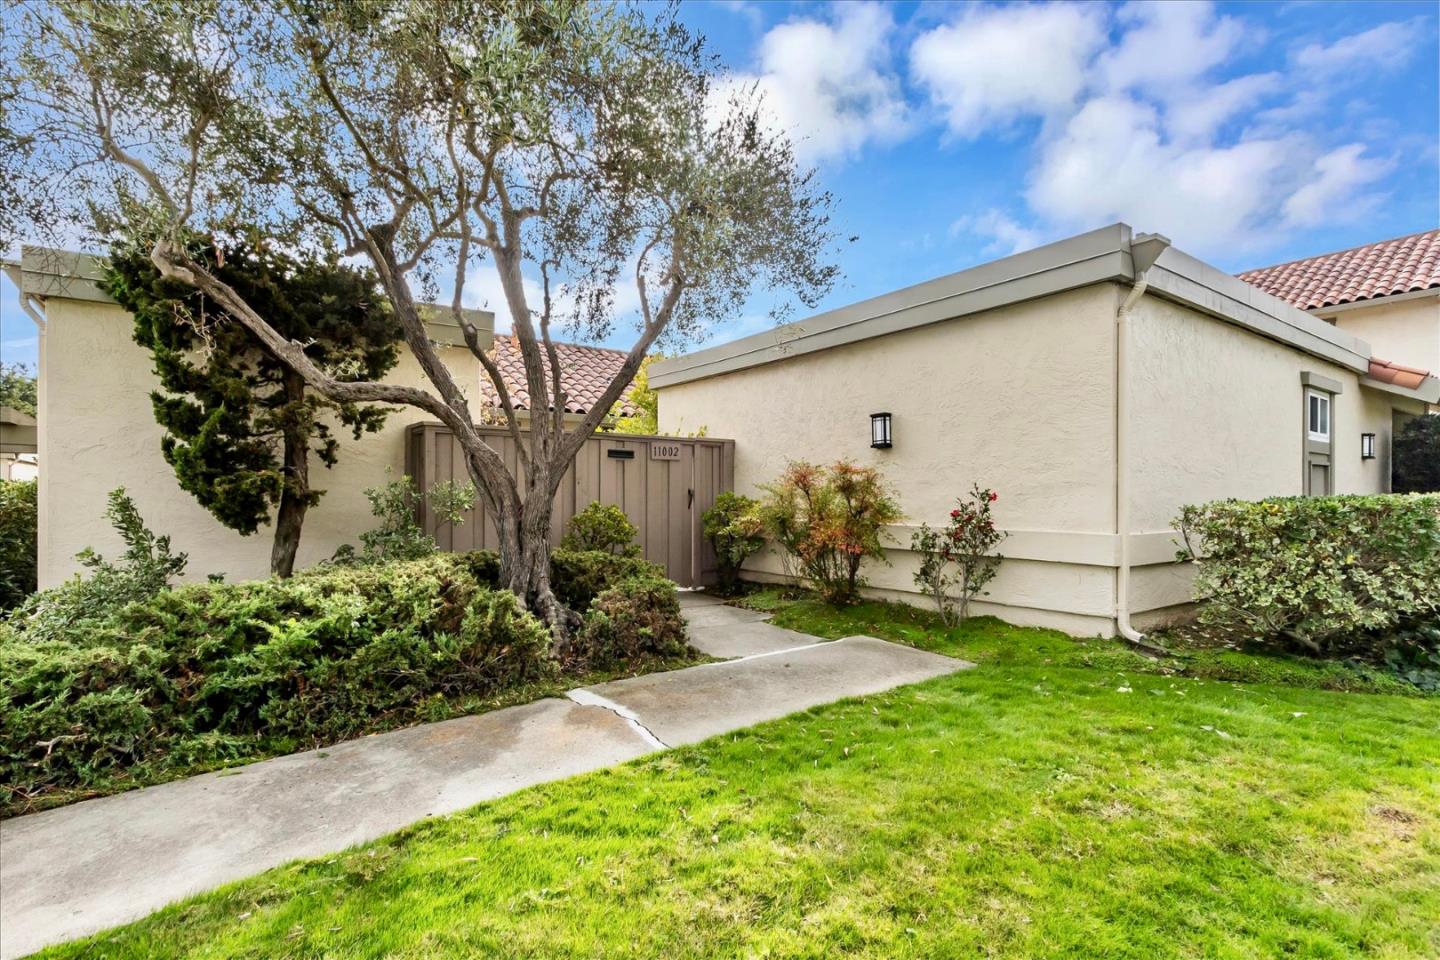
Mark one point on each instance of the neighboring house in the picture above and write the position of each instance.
(1098, 384)
(1385, 293)
(588, 371)
(17, 445)
(97, 429)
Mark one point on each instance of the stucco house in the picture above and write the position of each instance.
(97, 431)
(1098, 384)
(1386, 293)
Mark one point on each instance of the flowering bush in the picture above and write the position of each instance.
(828, 521)
(1326, 574)
(958, 561)
(733, 526)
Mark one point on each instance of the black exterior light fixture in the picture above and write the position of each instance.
(880, 431)
(1367, 446)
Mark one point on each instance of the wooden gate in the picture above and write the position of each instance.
(664, 485)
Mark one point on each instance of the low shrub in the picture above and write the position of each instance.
(399, 536)
(578, 576)
(1329, 575)
(635, 621)
(1412, 652)
(143, 571)
(603, 527)
(734, 528)
(203, 674)
(19, 524)
(828, 521)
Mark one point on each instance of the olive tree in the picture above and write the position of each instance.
(569, 147)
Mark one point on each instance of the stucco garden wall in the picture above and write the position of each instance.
(1403, 331)
(98, 432)
(1019, 398)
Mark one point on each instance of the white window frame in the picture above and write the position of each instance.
(1327, 415)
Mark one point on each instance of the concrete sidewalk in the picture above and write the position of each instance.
(76, 870)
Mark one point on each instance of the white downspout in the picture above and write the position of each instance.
(34, 308)
(16, 274)
(1144, 251)
(26, 301)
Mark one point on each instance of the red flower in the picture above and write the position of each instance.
(954, 513)
(994, 496)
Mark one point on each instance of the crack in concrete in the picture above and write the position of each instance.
(587, 698)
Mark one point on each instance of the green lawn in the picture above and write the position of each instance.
(1065, 799)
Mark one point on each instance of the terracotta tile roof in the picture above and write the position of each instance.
(1382, 269)
(1394, 373)
(585, 372)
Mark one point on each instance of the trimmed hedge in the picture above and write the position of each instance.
(1327, 574)
(207, 673)
(579, 576)
(635, 621)
(18, 530)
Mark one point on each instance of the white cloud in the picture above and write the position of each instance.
(1112, 162)
(1334, 192)
(743, 8)
(1197, 116)
(995, 64)
(1168, 45)
(1138, 128)
(829, 84)
(484, 291)
(1386, 47)
(1005, 235)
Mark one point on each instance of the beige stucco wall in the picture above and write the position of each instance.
(1019, 399)
(98, 432)
(1403, 331)
(1218, 412)
(1022, 399)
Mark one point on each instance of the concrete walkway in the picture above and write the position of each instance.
(76, 870)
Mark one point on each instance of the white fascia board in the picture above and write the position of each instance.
(47, 272)
(1095, 257)
(1080, 261)
(1180, 277)
(1428, 391)
(67, 275)
(1338, 308)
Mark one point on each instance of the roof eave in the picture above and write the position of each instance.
(1427, 392)
(1331, 309)
(1096, 257)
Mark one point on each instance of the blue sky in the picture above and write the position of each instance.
(952, 134)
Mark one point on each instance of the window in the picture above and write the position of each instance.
(1318, 416)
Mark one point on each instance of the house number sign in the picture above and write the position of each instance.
(664, 451)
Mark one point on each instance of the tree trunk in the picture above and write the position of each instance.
(524, 530)
(295, 496)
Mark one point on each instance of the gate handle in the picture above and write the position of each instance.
(690, 504)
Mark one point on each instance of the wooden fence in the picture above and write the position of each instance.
(663, 484)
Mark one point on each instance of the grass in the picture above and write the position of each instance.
(1067, 799)
(986, 640)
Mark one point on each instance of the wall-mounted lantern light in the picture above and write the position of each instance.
(1367, 446)
(880, 431)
